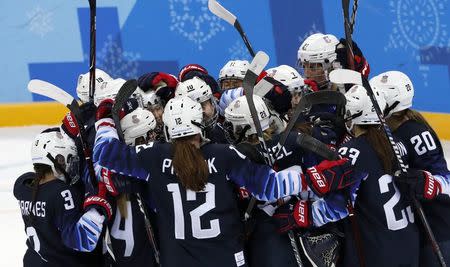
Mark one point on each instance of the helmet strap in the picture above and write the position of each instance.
(242, 134)
(59, 168)
(388, 109)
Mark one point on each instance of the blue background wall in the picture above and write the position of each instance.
(49, 40)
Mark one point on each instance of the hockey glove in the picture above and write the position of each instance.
(421, 183)
(227, 97)
(325, 133)
(360, 62)
(117, 184)
(99, 202)
(292, 215)
(104, 109)
(328, 176)
(192, 70)
(70, 125)
(163, 84)
(311, 85)
(279, 96)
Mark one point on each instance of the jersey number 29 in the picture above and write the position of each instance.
(210, 203)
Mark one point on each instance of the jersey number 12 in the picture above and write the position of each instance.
(210, 203)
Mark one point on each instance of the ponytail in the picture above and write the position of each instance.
(121, 201)
(41, 171)
(189, 164)
(381, 145)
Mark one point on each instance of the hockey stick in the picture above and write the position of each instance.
(306, 102)
(354, 11)
(348, 29)
(348, 77)
(256, 66)
(226, 15)
(52, 91)
(312, 144)
(92, 56)
(148, 228)
(348, 34)
(122, 96)
(258, 63)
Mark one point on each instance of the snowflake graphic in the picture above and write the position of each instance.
(116, 62)
(239, 51)
(40, 21)
(418, 24)
(311, 31)
(192, 20)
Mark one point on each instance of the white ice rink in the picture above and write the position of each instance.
(15, 159)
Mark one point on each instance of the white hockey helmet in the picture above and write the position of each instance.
(199, 91)
(137, 124)
(397, 88)
(108, 89)
(234, 69)
(182, 117)
(238, 114)
(288, 76)
(318, 48)
(148, 99)
(83, 83)
(51, 146)
(359, 108)
(195, 88)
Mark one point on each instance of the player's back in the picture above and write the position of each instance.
(426, 153)
(385, 219)
(196, 228)
(45, 246)
(130, 243)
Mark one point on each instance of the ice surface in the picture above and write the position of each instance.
(15, 159)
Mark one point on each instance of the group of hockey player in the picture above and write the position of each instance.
(179, 188)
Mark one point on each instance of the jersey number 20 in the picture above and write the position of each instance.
(423, 143)
(210, 203)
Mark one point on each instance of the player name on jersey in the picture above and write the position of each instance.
(26, 207)
(167, 166)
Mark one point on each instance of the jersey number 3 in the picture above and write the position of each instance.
(210, 203)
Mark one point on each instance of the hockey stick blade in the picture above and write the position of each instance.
(226, 15)
(52, 91)
(218, 10)
(345, 76)
(262, 87)
(122, 96)
(306, 102)
(312, 144)
(258, 63)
